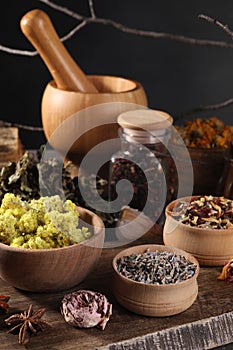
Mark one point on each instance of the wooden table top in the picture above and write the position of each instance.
(206, 324)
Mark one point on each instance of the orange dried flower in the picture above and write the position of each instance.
(3, 303)
(206, 133)
(227, 272)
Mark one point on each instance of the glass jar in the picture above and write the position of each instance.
(145, 162)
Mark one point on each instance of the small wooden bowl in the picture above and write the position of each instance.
(152, 299)
(58, 105)
(47, 270)
(211, 247)
(205, 161)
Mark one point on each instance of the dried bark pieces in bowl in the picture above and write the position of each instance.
(205, 230)
(159, 297)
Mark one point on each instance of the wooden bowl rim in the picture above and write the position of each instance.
(203, 149)
(209, 150)
(143, 247)
(215, 231)
(61, 249)
(137, 84)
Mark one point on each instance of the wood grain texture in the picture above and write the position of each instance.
(209, 318)
(199, 335)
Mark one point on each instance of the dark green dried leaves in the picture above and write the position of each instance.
(20, 178)
(31, 177)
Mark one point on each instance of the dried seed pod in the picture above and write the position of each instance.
(86, 309)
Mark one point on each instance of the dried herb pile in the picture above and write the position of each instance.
(22, 178)
(206, 133)
(205, 212)
(156, 267)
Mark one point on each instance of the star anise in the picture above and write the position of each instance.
(3, 303)
(27, 323)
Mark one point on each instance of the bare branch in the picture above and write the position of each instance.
(91, 7)
(123, 28)
(104, 21)
(207, 108)
(73, 31)
(83, 21)
(224, 27)
(17, 52)
(20, 126)
(64, 10)
(162, 35)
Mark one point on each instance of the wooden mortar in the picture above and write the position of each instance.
(72, 91)
(58, 105)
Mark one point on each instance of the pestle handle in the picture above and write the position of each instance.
(39, 30)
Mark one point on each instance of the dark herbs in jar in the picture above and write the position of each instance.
(205, 212)
(156, 162)
(156, 267)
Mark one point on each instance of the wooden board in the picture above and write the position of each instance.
(203, 334)
(205, 325)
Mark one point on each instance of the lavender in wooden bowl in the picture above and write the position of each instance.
(155, 280)
(202, 226)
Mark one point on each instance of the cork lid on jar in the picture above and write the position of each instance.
(145, 119)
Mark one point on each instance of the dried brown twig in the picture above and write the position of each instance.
(225, 103)
(123, 28)
(84, 21)
(20, 126)
(224, 27)
(206, 108)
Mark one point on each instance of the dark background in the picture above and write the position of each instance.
(177, 77)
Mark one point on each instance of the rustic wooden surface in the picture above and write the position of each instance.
(205, 325)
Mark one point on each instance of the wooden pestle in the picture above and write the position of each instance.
(39, 30)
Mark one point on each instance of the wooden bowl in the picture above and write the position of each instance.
(205, 162)
(47, 270)
(58, 105)
(152, 299)
(211, 247)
